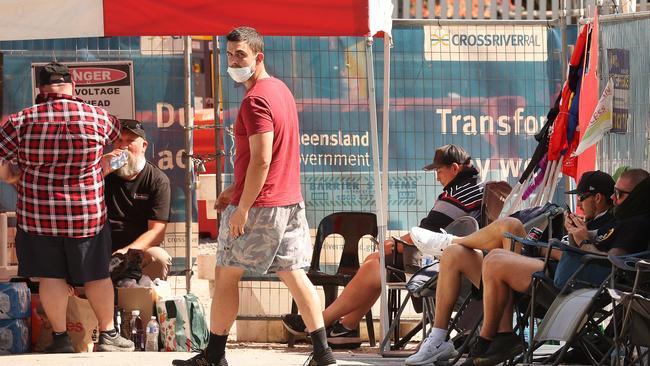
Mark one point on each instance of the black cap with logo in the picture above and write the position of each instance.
(54, 73)
(447, 155)
(133, 126)
(594, 182)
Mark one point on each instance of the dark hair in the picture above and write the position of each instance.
(608, 199)
(635, 176)
(248, 35)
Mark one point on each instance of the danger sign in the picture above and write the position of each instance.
(104, 84)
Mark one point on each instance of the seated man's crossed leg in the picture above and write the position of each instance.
(465, 259)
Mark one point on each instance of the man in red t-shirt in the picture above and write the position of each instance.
(263, 225)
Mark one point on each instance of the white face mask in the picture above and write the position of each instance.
(241, 74)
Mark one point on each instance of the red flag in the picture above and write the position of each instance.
(589, 100)
(558, 140)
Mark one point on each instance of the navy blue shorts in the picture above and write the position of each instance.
(77, 260)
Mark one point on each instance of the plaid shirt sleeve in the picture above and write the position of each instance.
(113, 128)
(8, 140)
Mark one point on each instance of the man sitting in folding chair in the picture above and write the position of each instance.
(456, 260)
(461, 195)
(627, 234)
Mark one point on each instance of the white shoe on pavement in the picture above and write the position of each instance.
(430, 242)
(432, 350)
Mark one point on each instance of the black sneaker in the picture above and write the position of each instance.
(294, 324)
(60, 345)
(504, 346)
(338, 336)
(117, 343)
(327, 359)
(200, 360)
(479, 347)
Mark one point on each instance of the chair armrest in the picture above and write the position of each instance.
(526, 242)
(593, 258)
(632, 262)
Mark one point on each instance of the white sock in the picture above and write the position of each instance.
(438, 334)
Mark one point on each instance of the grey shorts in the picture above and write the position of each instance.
(275, 239)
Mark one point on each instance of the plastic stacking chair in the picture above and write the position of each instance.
(352, 226)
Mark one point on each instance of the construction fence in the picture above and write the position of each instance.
(486, 86)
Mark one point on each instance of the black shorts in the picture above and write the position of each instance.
(77, 260)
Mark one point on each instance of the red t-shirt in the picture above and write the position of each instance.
(269, 106)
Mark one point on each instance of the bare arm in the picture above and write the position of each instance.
(153, 237)
(258, 168)
(224, 198)
(9, 172)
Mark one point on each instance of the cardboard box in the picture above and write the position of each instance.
(137, 298)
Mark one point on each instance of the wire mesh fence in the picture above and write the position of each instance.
(617, 39)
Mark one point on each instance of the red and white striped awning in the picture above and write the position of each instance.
(39, 19)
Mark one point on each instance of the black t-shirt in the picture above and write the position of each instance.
(630, 235)
(606, 219)
(131, 204)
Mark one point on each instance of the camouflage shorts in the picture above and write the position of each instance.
(275, 239)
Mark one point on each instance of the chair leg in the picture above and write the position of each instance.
(291, 340)
(371, 329)
(331, 293)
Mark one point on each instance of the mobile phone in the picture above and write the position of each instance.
(568, 209)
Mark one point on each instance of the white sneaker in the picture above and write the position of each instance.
(431, 351)
(430, 242)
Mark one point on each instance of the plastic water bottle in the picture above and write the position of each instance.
(118, 320)
(153, 329)
(137, 330)
(119, 161)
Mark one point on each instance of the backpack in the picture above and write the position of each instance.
(182, 323)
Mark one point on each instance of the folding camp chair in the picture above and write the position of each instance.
(632, 333)
(574, 314)
(425, 290)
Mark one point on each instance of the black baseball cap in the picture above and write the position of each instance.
(595, 182)
(54, 73)
(447, 155)
(133, 126)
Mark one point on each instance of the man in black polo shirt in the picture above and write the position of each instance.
(137, 200)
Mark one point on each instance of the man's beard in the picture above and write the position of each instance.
(133, 166)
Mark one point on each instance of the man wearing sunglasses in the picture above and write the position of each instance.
(625, 235)
(137, 200)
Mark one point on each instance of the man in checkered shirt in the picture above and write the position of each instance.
(56, 146)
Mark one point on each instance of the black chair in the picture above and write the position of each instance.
(352, 226)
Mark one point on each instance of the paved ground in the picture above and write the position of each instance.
(238, 355)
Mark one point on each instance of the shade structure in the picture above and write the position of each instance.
(37, 19)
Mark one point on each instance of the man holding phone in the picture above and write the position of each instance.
(594, 192)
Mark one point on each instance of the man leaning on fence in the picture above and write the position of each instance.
(56, 146)
(263, 224)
